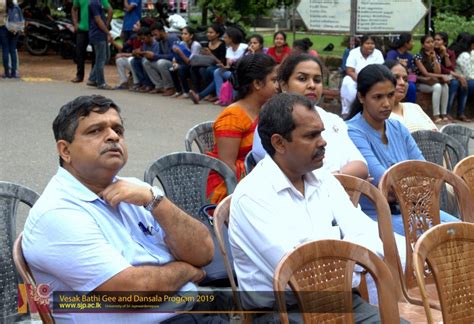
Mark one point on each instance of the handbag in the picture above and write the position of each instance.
(202, 60)
(227, 94)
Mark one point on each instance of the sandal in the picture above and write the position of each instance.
(438, 120)
(463, 118)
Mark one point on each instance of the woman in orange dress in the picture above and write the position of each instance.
(255, 82)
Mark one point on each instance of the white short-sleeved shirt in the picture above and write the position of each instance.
(269, 217)
(340, 150)
(74, 241)
(357, 61)
(232, 55)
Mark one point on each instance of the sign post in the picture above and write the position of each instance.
(361, 16)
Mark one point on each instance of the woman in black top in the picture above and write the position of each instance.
(202, 77)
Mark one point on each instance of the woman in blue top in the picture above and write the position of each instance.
(382, 141)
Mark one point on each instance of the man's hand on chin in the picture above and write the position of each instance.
(125, 191)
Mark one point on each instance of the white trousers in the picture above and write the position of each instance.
(123, 65)
(440, 96)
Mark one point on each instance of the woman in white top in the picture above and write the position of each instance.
(302, 74)
(183, 52)
(233, 39)
(358, 59)
(409, 114)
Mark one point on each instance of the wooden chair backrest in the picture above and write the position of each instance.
(449, 251)
(320, 275)
(221, 220)
(355, 187)
(28, 279)
(417, 185)
(465, 170)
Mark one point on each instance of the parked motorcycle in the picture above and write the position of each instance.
(40, 36)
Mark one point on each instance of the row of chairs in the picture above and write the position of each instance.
(182, 176)
(338, 257)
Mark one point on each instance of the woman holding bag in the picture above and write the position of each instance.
(430, 78)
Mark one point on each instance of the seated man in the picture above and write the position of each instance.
(93, 231)
(158, 68)
(282, 203)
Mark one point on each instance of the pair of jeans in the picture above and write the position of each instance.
(97, 72)
(140, 73)
(456, 89)
(411, 93)
(82, 41)
(220, 75)
(202, 77)
(8, 42)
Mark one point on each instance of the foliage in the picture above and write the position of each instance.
(223, 11)
(453, 24)
(459, 7)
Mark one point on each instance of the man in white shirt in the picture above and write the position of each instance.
(282, 203)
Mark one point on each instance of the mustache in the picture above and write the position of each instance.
(110, 147)
(319, 153)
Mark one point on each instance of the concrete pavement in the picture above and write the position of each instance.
(155, 126)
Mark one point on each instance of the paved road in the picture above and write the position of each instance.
(154, 126)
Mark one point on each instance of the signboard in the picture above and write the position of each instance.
(372, 16)
(326, 15)
(388, 16)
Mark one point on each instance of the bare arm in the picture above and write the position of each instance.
(167, 278)
(109, 15)
(228, 148)
(74, 14)
(437, 70)
(101, 25)
(356, 168)
(352, 73)
(127, 6)
(182, 231)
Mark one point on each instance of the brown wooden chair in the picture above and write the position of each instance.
(320, 275)
(28, 279)
(221, 219)
(448, 249)
(417, 185)
(465, 170)
(355, 188)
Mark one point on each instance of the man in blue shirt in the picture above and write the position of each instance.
(133, 13)
(147, 51)
(158, 68)
(99, 36)
(91, 231)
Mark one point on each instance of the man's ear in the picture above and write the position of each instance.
(63, 150)
(278, 143)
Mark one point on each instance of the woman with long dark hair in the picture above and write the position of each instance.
(430, 78)
(303, 74)
(382, 141)
(255, 82)
(400, 52)
(280, 49)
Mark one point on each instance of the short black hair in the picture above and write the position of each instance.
(276, 117)
(67, 120)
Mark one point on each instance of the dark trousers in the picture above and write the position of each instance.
(82, 41)
(8, 42)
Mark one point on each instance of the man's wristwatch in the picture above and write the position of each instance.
(157, 196)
